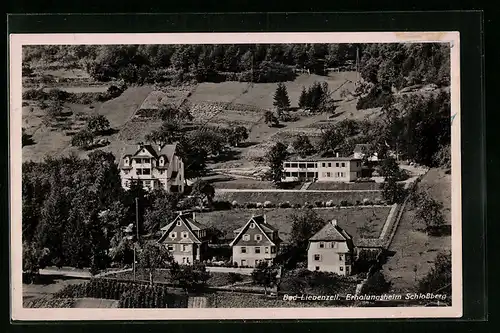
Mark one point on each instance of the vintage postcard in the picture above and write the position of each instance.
(278, 175)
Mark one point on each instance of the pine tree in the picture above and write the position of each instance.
(303, 98)
(281, 99)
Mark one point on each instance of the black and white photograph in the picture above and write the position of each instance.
(276, 175)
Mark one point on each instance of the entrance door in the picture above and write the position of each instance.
(243, 262)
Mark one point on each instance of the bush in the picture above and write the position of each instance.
(367, 202)
(297, 205)
(343, 203)
(250, 205)
(222, 205)
(329, 203)
(259, 205)
(268, 204)
(320, 204)
(377, 97)
(235, 204)
(358, 203)
(285, 204)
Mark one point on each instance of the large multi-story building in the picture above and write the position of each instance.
(331, 250)
(154, 166)
(186, 239)
(255, 242)
(332, 169)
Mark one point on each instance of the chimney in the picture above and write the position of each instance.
(334, 222)
(265, 219)
(194, 215)
(337, 154)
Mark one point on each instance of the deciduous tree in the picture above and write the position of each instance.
(275, 157)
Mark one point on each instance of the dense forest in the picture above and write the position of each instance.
(395, 64)
(74, 211)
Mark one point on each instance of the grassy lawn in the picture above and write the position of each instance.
(343, 186)
(47, 287)
(415, 248)
(261, 94)
(297, 197)
(92, 303)
(244, 183)
(119, 110)
(359, 222)
(218, 92)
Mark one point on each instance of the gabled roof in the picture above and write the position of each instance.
(260, 222)
(189, 222)
(155, 151)
(331, 232)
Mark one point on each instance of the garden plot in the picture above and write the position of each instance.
(170, 96)
(205, 111)
(359, 222)
(343, 186)
(298, 197)
(136, 130)
(236, 118)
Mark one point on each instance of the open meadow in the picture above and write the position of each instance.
(366, 222)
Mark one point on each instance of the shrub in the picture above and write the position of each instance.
(235, 204)
(297, 205)
(259, 205)
(222, 205)
(320, 204)
(366, 201)
(268, 204)
(358, 203)
(251, 205)
(329, 203)
(343, 203)
(377, 97)
(285, 204)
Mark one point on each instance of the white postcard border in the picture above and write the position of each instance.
(15, 156)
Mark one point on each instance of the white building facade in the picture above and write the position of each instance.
(155, 167)
(333, 169)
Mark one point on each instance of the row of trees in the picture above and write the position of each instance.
(395, 64)
(400, 65)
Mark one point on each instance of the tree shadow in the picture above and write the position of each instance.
(247, 144)
(278, 125)
(109, 132)
(225, 156)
